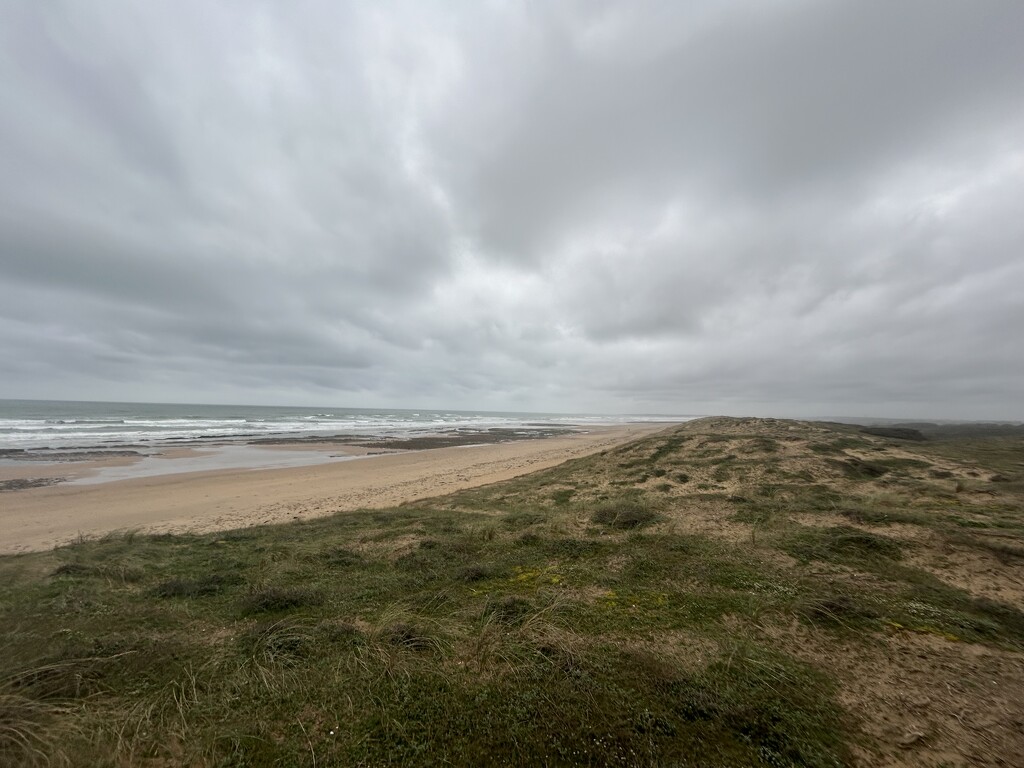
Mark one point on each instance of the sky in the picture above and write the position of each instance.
(762, 207)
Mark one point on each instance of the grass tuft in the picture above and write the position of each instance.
(204, 586)
(270, 599)
(27, 734)
(836, 610)
(476, 572)
(841, 544)
(409, 637)
(624, 515)
(510, 610)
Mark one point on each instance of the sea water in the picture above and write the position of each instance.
(28, 424)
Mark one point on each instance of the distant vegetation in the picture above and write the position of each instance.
(898, 433)
(730, 593)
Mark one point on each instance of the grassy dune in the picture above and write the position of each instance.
(730, 592)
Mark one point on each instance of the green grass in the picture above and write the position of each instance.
(624, 515)
(546, 620)
(454, 651)
(841, 544)
(449, 647)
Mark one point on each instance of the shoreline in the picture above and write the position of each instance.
(90, 464)
(42, 517)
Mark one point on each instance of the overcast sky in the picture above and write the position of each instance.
(772, 207)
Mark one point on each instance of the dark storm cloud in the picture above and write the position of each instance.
(782, 207)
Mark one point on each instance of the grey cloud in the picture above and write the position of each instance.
(784, 207)
(755, 107)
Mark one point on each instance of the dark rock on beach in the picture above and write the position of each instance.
(55, 457)
(448, 439)
(20, 484)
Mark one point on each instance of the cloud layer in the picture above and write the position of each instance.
(785, 207)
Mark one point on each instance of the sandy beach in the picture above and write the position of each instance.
(38, 518)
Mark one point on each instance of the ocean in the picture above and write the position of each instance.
(33, 424)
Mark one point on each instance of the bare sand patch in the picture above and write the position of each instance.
(920, 699)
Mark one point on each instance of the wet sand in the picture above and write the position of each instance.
(38, 518)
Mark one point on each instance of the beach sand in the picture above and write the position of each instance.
(39, 518)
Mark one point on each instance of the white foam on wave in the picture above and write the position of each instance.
(63, 428)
